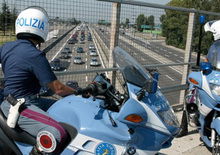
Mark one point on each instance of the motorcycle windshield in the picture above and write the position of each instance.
(135, 74)
(132, 71)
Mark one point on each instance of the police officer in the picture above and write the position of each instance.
(213, 55)
(26, 70)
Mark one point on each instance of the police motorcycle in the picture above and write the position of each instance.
(203, 97)
(137, 122)
(203, 105)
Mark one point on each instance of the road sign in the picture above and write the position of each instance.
(146, 26)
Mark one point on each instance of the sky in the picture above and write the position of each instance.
(88, 10)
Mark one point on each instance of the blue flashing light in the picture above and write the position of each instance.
(202, 19)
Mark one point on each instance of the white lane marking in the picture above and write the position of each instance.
(167, 55)
(179, 61)
(175, 55)
(153, 55)
(169, 78)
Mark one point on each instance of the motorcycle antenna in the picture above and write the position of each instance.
(202, 22)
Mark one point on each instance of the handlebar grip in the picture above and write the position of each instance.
(91, 88)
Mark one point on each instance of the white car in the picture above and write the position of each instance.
(77, 60)
(93, 53)
(94, 62)
(91, 47)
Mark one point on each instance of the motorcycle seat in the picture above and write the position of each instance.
(15, 133)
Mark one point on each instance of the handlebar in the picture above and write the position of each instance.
(91, 88)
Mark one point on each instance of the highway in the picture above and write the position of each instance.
(82, 79)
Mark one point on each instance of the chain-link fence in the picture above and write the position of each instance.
(78, 27)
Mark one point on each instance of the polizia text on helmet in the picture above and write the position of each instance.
(33, 22)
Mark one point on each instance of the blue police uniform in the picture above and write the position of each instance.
(25, 70)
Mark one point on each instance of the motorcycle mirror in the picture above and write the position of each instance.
(151, 86)
(206, 68)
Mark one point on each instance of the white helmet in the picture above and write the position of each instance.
(32, 23)
(214, 27)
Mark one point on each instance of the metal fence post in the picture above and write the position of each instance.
(187, 54)
(116, 10)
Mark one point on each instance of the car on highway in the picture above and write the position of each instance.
(91, 47)
(90, 38)
(65, 56)
(66, 50)
(82, 38)
(77, 60)
(81, 42)
(79, 50)
(54, 36)
(56, 65)
(72, 41)
(94, 62)
(93, 53)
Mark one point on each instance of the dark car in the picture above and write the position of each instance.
(56, 65)
(72, 41)
(82, 38)
(89, 38)
(79, 50)
(66, 50)
(65, 56)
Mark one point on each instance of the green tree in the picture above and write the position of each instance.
(127, 22)
(14, 17)
(5, 18)
(150, 20)
(174, 23)
(140, 20)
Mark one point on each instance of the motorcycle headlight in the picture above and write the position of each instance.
(169, 117)
(215, 89)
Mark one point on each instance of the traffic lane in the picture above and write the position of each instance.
(171, 51)
(144, 59)
(173, 55)
(104, 36)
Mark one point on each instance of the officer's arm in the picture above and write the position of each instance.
(60, 89)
